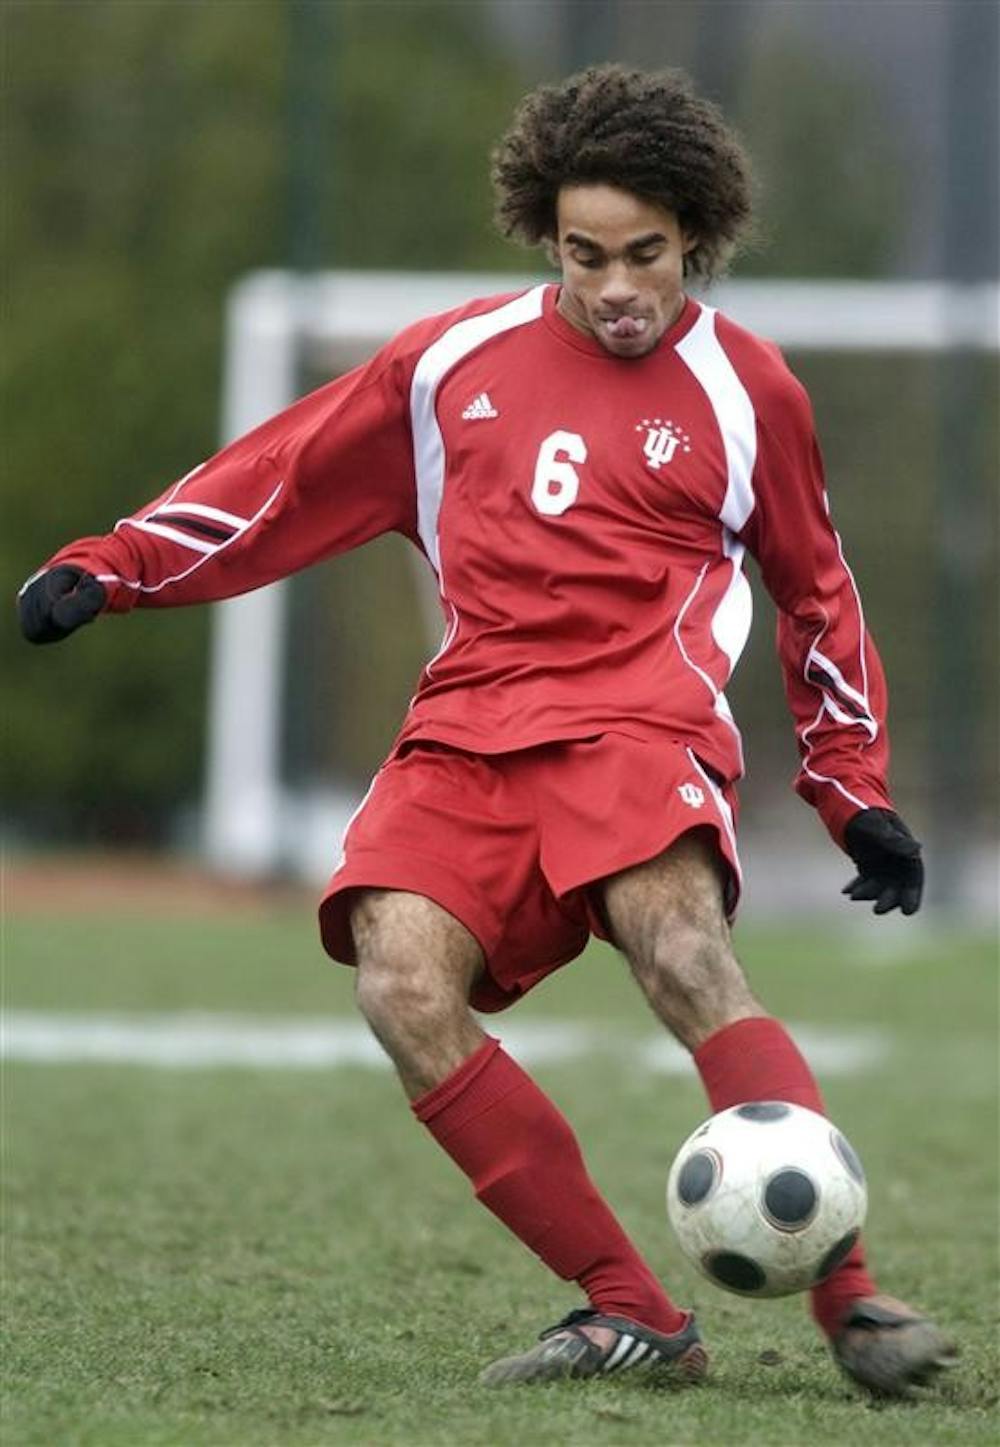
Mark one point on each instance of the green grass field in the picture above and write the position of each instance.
(280, 1256)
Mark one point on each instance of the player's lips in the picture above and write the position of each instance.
(624, 328)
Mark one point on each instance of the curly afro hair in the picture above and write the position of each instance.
(645, 132)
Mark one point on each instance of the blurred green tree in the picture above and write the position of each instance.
(832, 184)
(146, 154)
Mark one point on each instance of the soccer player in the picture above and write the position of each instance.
(584, 465)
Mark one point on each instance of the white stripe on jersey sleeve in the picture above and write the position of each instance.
(196, 545)
(428, 444)
(201, 510)
(828, 666)
(213, 548)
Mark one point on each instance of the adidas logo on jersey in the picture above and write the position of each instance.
(480, 407)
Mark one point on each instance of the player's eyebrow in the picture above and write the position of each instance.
(579, 238)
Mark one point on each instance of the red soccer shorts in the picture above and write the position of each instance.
(511, 844)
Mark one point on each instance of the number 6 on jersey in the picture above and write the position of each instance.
(557, 481)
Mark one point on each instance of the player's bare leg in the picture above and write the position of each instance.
(668, 918)
(416, 967)
(667, 915)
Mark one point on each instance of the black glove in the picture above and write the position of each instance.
(890, 869)
(56, 603)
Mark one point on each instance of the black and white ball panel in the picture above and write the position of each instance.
(848, 1155)
(790, 1199)
(836, 1255)
(734, 1272)
(699, 1176)
(763, 1110)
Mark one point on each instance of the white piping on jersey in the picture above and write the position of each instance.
(862, 628)
(451, 628)
(725, 812)
(828, 704)
(807, 746)
(182, 482)
(430, 463)
(720, 702)
(201, 510)
(828, 666)
(702, 353)
(724, 711)
(196, 545)
(214, 548)
(680, 642)
(839, 715)
(198, 467)
(342, 859)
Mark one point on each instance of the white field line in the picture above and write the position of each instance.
(829, 1052)
(200, 1040)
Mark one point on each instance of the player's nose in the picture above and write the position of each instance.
(618, 289)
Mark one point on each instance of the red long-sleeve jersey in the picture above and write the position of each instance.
(586, 516)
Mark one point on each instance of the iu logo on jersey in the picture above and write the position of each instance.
(663, 438)
(692, 795)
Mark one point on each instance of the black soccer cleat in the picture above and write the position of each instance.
(564, 1351)
(888, 1348)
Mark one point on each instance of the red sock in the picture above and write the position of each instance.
(758, 1060)
(525, 1166)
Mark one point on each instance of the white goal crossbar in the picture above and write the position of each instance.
(250, 824)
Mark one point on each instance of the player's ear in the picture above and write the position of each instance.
(689, 240)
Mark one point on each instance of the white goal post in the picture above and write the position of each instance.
(251, 826)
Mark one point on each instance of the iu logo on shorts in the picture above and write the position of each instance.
(692, 795)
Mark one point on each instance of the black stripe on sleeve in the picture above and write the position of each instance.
(819, 675)
(193, 525)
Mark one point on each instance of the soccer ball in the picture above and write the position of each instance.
(766, 1198)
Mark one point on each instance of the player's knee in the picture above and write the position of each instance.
(406, 981)
(389, 996)
(693, 978)
(690, 959)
